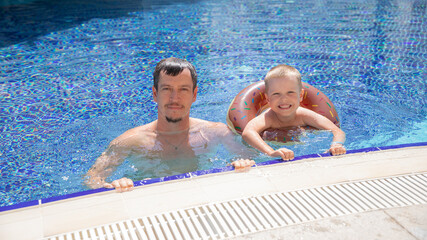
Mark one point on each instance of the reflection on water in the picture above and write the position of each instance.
(138, 168)
(76, 74)
(26, 20)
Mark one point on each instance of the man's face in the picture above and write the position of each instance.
(174, 96)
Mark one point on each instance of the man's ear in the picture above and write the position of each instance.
(154, 94)
(195, 94)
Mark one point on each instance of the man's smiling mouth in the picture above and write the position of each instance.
(174, 106)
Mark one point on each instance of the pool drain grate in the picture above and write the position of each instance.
(253, 214)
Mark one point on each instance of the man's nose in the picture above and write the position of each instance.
(174, 95)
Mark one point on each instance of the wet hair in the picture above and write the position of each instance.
(173, 66)
(282, 70)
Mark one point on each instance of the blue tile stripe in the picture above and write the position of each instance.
(73, 195)
(20, 205)
(194, 174)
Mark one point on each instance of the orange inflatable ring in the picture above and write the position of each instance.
(251, 101)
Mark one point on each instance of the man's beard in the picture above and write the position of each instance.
(173, 120)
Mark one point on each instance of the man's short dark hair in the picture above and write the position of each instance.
(173, 66)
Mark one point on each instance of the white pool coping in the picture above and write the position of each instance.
(49, 219)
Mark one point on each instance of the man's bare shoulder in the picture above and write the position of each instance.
(134, 135)
(200, 124)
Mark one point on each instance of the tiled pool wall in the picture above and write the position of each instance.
(195, 174)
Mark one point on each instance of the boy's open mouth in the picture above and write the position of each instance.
(285, 106)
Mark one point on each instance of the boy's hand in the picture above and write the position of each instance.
(337, 149)
(283, 153)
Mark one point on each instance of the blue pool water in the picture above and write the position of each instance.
(76, 74)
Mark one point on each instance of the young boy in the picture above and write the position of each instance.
(283, 90)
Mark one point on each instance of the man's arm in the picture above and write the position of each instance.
(228, 139)
(116, 153)
(105, 165)
(232, 143)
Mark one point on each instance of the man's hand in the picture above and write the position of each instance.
(121, 185)
(337, 149)
(283, 153)
(243, 165)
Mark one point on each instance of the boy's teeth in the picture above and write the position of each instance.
(284, 106)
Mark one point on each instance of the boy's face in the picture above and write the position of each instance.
(284, 95)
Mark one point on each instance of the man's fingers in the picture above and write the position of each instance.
(236, 164)
(116, 185)
(243, 164)
(121, 185)
(129, 182)
(248, 163)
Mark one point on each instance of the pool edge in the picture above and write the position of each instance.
(43, 201)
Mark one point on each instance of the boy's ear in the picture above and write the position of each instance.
(266, 97)
(301, 95)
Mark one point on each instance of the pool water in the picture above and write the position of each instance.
(76, 74)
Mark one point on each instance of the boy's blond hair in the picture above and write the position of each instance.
(282, 70)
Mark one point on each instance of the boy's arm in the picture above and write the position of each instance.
(318, 121)
(252, 131)
(251, 134)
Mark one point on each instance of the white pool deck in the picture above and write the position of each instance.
(409, 222)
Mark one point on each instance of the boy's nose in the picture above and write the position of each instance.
(284, 98)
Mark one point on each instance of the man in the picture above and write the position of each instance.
(173, 136)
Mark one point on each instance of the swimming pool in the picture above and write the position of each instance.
(75, 75)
